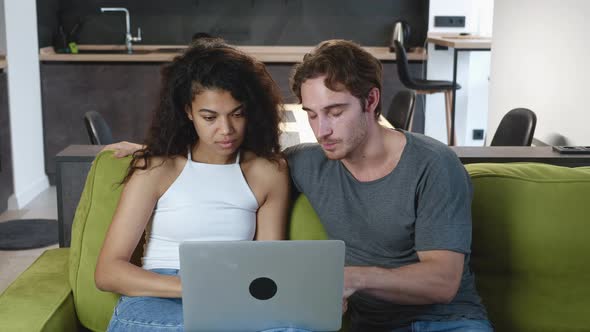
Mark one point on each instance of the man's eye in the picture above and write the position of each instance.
(209, 118)
(311, 115)
(337, 114)
(238, 114)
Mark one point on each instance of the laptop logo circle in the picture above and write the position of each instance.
(263, 288)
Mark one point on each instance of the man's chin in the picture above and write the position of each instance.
(333, 154)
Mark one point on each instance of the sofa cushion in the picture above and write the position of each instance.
(40, 299)
(91, 221)
(304, 223)
(530, 245)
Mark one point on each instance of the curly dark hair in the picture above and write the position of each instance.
(210, 63)
(343, 62)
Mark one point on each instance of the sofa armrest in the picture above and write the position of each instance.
(40, 299)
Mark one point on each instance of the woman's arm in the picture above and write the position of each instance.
(114, 272)
(271, 219)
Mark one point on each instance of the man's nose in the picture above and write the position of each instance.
(324, 127)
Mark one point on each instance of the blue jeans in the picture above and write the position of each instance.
(449, 326)
(144, 313)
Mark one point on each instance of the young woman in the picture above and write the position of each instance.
(210, 169)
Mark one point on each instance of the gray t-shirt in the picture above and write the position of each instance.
(423, 204)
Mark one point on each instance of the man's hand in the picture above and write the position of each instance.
(351, 285)
(123, 149)
(344, 305)
(345, 295)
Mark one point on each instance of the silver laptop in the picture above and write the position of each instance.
(257, 285)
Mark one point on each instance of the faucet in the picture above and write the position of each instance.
(128, 37)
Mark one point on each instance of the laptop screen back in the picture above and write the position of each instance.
(258, 285)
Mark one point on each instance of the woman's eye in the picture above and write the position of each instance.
(337, 114)
(311, 115)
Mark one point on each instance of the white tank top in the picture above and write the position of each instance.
(207, 202)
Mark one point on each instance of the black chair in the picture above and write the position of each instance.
(401, 110)
(98, 129)
(422, 86)
(516, 128)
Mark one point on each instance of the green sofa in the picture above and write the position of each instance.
(530, 228)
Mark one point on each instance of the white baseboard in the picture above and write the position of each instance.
(20, 199)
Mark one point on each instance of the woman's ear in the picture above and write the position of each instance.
(189, 113)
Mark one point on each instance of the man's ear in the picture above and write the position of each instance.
(188, 111)
(372, 100)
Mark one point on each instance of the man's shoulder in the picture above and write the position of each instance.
(428, 148)
(307, 162)
(304, 151)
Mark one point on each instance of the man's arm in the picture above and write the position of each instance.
(435, 279)
(442, 237)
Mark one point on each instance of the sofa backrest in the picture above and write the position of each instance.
(91, 222)
(531, 245)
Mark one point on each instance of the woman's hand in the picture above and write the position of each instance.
(123, 149)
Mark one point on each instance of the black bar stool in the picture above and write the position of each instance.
(424, 87)
(98, 129)
(401, 110)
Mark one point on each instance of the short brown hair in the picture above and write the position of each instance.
(344, 63)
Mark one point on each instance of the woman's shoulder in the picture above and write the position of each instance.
(159, 165)
(159, 173)
(251, 163)
(266, 177)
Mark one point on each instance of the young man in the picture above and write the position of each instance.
(400, 201)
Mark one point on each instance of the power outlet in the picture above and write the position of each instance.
(449, 21)
(477, 134)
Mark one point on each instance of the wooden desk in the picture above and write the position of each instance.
(459, 42)
(469, 43)
(511, 154)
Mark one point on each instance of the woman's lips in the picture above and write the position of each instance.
(227, 144)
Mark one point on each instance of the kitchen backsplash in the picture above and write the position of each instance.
(241, 22)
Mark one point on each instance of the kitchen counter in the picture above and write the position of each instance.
(165, 53)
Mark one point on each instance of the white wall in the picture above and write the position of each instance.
(2, 29)
(541, 61)
(24, 94)
(472, 72)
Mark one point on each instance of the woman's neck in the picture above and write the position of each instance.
(202, 155)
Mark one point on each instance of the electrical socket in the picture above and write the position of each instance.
(477, 134)
(449, 21)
